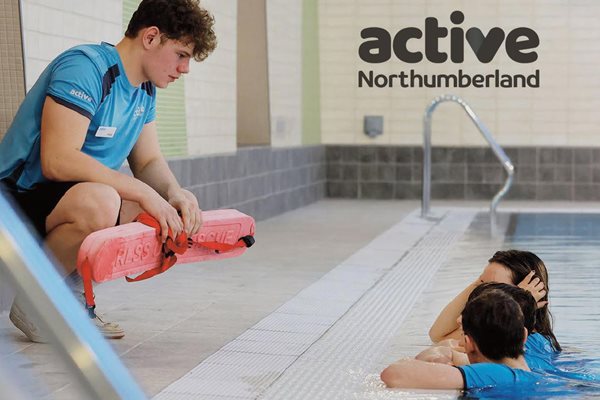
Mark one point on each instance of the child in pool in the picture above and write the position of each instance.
(514, 267)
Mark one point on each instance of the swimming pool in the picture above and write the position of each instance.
(335, 336)
(569, 244)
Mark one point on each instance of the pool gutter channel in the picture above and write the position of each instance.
(325, 340)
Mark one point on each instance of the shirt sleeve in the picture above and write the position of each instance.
(76, 84)
(151, 114)
(482, 375)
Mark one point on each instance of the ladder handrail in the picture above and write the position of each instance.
(498, 151)
(91, 359)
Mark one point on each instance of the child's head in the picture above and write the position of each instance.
(523, 298)
(493, 325)
(512, 266)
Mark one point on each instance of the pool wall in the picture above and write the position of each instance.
(463, 173)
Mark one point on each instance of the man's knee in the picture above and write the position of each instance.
(90, 206)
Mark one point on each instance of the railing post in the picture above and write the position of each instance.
(498, 151)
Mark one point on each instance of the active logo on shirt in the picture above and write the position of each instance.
(81, 95)
(139, 111)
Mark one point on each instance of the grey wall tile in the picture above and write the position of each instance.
(448, 173)
(367, 154)
(564, 173)
(583, 173)
(368, 173)
(525, 173)
(386, 154)
(481, 191)
(448, 155)
(586, 192)
(582, 155)
(341, 189)
(376, 190)
(404, 173)
(333, 154)
(522, 191)
(350, 172)
(547, 155)
(564, 156)
(350, 154)
(447, 190)
(554, 191)
(527, 156)
(545, 173)
(404, 155)
(407, 190)
(334, 172)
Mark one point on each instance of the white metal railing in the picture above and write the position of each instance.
(498, 151)
(50, 303)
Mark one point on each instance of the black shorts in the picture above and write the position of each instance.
(38, 202)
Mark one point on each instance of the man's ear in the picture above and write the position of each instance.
(150, 37)
(525, 335)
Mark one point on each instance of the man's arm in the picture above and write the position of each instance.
(416, 374)
(63, 133)
(148, 164)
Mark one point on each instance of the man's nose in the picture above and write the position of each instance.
(184, 66)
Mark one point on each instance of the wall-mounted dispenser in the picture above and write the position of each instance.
(373, 125)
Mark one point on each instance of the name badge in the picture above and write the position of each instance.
(106, 131)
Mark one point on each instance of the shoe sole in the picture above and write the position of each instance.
(19, 323)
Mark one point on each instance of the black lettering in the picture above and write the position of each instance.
(401, 49)
(444, 80)
(432, 33)
(362, 77)
(464, 80)
(378, 50)
(381, 81)
(514, 47)
(533, 80)
(485, 47)
(478, 80)
(457, 43)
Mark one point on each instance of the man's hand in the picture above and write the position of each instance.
(186, 203)
(165, 213)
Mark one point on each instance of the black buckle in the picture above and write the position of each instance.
(91, 311)
(248, 240)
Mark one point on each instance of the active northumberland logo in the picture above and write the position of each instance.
(520, 44)
(81, 95)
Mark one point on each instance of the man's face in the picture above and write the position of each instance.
(167, 61)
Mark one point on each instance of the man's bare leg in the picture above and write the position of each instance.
(85, 208)
(129, 210)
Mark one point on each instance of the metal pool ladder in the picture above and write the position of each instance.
(498, 151)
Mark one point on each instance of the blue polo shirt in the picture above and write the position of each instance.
(539, 344)
(482, 375)
(90, 80)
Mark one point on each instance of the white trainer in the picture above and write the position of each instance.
(109, 330)
(20, 320)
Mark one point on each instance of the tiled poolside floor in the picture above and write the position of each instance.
(175, 321)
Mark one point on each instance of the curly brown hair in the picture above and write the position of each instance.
(182, 20)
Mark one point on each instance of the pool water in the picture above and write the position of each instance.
(569, 245)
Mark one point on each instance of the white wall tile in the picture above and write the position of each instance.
(284, 47)
(211, 87)
(53, 26)
(564, 111)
